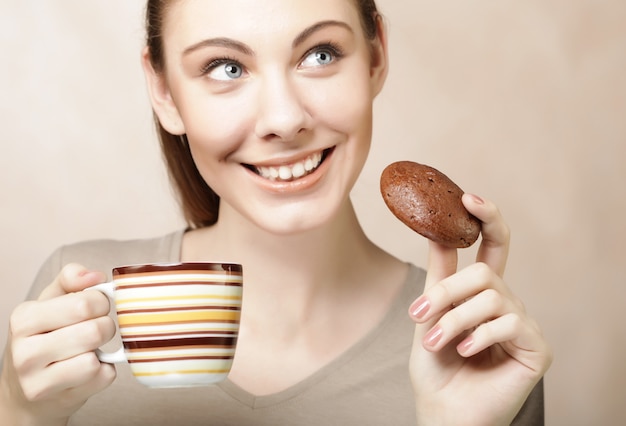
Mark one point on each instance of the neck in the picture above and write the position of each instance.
(308, 297)
(305, 268)
(314, 253)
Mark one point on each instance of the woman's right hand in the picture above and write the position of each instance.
(50, 368)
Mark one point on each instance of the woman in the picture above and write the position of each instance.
(265, 117)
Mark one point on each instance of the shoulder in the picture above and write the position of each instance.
(105, 254)
(415, 280)
(397, 329)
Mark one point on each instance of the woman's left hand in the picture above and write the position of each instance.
(477, 354)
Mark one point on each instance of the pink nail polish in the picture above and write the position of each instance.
(465, 345)
(477, 199)
(420, 307)
(433, 336)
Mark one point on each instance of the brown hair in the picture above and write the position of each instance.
(200, 204)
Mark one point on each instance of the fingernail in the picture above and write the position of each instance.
(465, 345)
(433, 336)
(420, 307)
(91, 275)
(477, 199)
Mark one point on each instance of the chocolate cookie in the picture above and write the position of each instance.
(428, 202)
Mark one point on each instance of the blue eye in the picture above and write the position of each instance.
(319, 57)
(224, 70)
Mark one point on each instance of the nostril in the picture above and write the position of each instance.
(281, 118)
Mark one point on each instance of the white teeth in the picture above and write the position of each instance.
(292, 171)
(298, 170)
(308, 165)
(284, 173)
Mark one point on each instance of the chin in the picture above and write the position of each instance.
(291, 220)
(289, 226)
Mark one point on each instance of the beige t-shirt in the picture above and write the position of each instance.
(367, 385)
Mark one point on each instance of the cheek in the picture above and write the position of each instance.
(215, 127)
(348, 109)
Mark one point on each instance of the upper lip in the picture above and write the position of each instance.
(287, 161)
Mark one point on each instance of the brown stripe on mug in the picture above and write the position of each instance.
(191, 358)
(211, 341)
(175, 268)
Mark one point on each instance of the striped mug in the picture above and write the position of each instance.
(178, 322)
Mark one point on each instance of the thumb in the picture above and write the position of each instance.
(72, 278)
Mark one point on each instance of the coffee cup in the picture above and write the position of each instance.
(178, 322)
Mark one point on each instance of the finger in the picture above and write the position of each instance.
(456, 289)
(73, 277)
(456, 322)
(494, 247)
(33, 318)
(506, 328)
(33, 354)
(105, 376)
(59, 377)
(442, 262)
(83, 337)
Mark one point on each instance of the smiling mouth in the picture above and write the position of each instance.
(293, 171)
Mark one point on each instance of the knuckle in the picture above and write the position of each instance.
(89, 364)
(506, 232)
(493, 298)
(89, 305)
(93, 333)
(24, 357)
(34, 390)
(21, 364)
(106, 325)
(83, 309)
(441, 292)
(30, 395)
(452, 320)
(482, 271)
(19, 318)
(445, 293)
(108, 373)
(515, 322)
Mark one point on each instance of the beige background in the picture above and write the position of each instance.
(522, 102)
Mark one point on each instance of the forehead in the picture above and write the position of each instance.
(189, 20)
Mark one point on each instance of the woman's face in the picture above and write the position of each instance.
(275, 97)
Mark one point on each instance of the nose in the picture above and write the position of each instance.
(281, 113)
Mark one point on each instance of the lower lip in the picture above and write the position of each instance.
(302, 184)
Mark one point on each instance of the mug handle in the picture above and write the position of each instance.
(108, 289)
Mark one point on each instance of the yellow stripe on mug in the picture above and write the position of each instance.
(178, 317)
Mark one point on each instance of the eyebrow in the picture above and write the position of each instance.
(301, 38)
(243, 48)
(220, 42)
